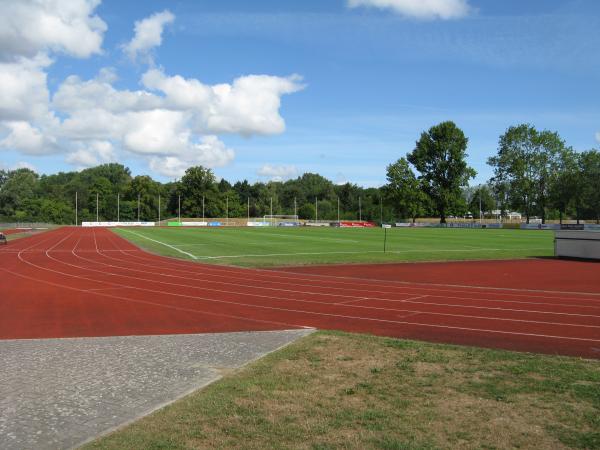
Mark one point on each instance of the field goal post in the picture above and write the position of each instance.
(272, 218)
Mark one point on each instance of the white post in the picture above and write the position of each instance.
(248, 209)
(295, 208)
(203, 207)
(118, 208)
(226, 210)
(139, 206)
(359, 210)
(97, 207)
(179, 208)
(380, 209)
(480, 212)
(76, 218)
(271, 211)
(338, 210)
(158, 209)
(316, 210)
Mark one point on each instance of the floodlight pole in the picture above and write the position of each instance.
(97, 207)
(359, 210)
(248, 209)
(227, 211)
(139, 206)
(295, 209)
(271, 211)
(118, 208)
(179, 208)
(159, 210)
(76, 218)
(480, 212)
(203, 207)
(338, 201)
(316, 210)
(380, 209)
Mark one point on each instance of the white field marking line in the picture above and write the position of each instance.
(326, 314)
(228, 275)
(196, 273)
(162, 243)
(360, 252)
(182, 245)
(409, 300)
(304, 237)
(321, 304)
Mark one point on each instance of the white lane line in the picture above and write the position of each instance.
(308, 301)
(162, 243)
(400, 322)
(287, 309)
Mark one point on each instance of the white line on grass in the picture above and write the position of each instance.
(162, 243)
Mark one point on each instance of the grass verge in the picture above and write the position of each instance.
(339, 390)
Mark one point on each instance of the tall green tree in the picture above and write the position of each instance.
(404, 191)
(590, 182)
(527, 160)
(440, 158)
(566, 184)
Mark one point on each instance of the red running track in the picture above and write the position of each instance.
(90, 282)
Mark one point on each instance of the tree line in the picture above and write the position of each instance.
(535, 173)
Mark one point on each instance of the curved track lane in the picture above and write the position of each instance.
(90, 282)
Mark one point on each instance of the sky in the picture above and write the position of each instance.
(270, 89)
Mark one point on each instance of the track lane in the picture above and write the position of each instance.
(98, 261)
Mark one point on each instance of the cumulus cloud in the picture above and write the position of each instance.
(209, 152)
(23, 90)
(95, 153)
(28, 27)
(419, 9)
(277, 173)
(250, 105)
(171, 122)
(28, 139)
(148, 34)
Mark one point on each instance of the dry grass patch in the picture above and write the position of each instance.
(339, 390)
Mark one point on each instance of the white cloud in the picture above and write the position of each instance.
(250, 105)
(419, 9)
(158, 131)
(277, 173)
(23, 91)
(598, 136)
(28, 27)
(148, 34)
(95, 153)
(209, 152)
(27, 139)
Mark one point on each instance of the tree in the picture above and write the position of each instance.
(404, 190)
(439, 157)
(19, 186)
(481, 197)
(565, 185)
(527, 160)
(590, 182)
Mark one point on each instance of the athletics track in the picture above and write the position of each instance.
(73, 282)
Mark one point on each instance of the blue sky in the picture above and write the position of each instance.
(356, 85)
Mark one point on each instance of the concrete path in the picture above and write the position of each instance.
(59, 393)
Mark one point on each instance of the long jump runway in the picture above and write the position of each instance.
(75, 282)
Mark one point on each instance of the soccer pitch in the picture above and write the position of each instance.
(280, 246)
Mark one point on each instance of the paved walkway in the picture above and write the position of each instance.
(59, 393)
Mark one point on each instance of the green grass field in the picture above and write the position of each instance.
(296, 246)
